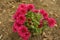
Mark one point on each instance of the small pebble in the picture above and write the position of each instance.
(13, 6)
(53, 0)
(51, 13)
(31, 0)
(23, 1)
(4, 11)
(45, 5)
(1, 36)
(56, 15)
(44, 38)
(0, 22)
(44, 34)
(41, 0)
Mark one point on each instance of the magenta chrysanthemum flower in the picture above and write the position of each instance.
(44, 13)
(22, 6)
(22, 11)
(51, 22)
(30, 7)
(23, 32)
(21, 19)
(19, 12)
(16, 26)
(26, 36)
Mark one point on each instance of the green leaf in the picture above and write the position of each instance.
(35, 20)
(43, 28)
(38, 16)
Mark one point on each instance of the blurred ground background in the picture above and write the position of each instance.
(8, 7)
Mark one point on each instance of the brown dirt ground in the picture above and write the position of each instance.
(8, 7)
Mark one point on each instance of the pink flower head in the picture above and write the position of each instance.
(21, 19)
(24, 6)
(19, 12)
(41, 23)
(51, 22)
(35, 11)
(23, 32)
(26, 36)
(22, 11)
(44, 13)
(15, 27)
(30, 7)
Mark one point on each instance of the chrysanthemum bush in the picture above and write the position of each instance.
(29, 21)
